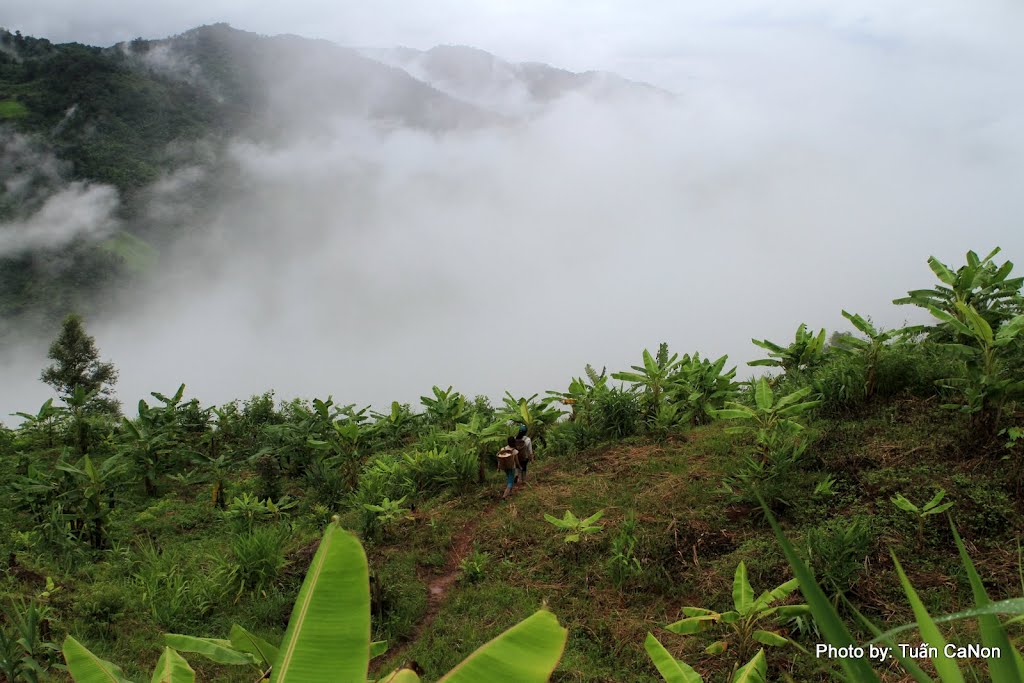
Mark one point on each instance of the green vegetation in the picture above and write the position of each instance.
(744, 620)
(12, 109)
(138, 539)
(575, 526)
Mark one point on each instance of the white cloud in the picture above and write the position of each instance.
(819, 154)
(78, 210)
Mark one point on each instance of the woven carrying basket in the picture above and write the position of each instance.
(506, 460)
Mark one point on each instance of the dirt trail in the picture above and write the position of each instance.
(462, 543)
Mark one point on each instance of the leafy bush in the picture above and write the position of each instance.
(165, 588)
(617, 414)
(576, 527)
(258, 557)
(26, 652)
(702, 386)
(385, 514)
(246, 511)
(836, 550)
(415, 473)
(268, 473)
(746, 622)
(572, 437)
(474, 565)
(767, 477)
(1005, 667)
(806, 351)
(102, 606)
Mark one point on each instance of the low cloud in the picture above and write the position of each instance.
(44, 210)
(80, 210)
(370, 264)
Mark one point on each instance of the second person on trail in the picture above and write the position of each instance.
(524, 445)
(508, 462)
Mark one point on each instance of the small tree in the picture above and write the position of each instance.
(77, 364)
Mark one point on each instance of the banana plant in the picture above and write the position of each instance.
(674, 670)
(341, 448)
(580, 395)
(328, 636)
(935, 506)
(91, 504)
(988, 386)
(447, 408)
(168, 415)
(43, 422)
(85, 667)
(537, 415)
(870, 349)
(771, 422)
(483, 437)
(146, 444)
(746, 620)
(388, 512)
(702, 386)
(326, 411)
(980, 284)
(654, 376)
(396, 427)
(576, 527)
(806, 351)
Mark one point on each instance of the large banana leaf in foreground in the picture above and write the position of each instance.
(85, 667)
(328, 635)
(671, 669)
(172, 668)
(529, 651)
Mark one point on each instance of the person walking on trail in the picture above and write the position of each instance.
(508, 462)
(524, 445)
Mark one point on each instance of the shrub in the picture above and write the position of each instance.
(268, 472)
(165, 589)
(259, 557)
(570, 438)
(617, 414)
(414, 473)
(474, 565)
(26, 653)
(102, 606)
(837, 550)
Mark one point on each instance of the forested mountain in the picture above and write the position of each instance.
(102, 127)
(480, 77)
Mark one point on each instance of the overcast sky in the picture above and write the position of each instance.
(665, 40)
(819, 153)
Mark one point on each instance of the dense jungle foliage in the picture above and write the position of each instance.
(675, 521)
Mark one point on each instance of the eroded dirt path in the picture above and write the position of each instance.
(438, 585)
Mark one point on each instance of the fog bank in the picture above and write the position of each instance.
(370, 264)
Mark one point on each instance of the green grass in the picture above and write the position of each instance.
(137, 255)
(12, 109)
(690, 539)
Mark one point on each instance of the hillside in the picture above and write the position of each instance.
(875, 452)
(94, 137)
(477, 76)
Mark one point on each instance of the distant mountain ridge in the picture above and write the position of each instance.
(132, 114)
(479, 77)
